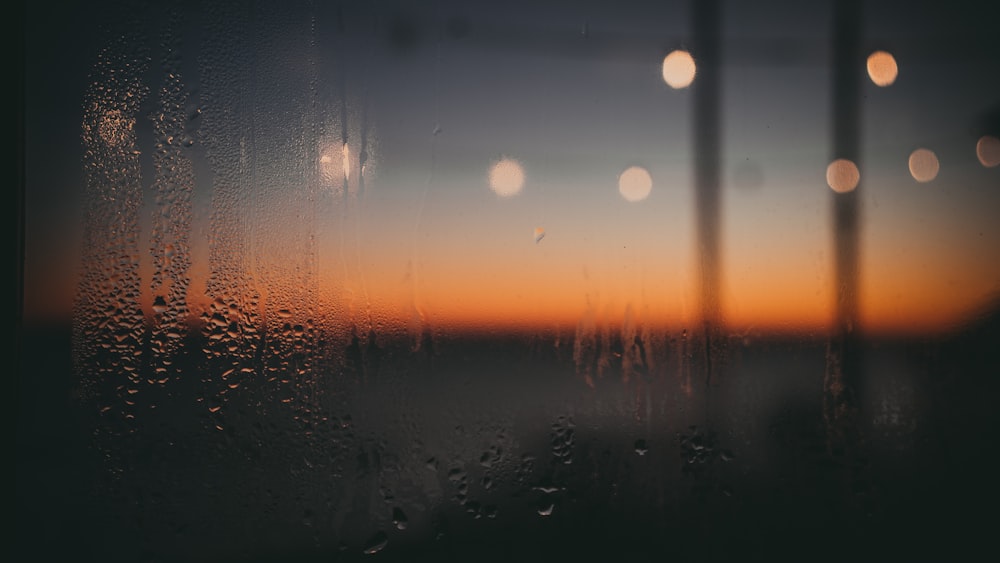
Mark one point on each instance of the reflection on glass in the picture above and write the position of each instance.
(924, 165)
(842, 175)
(882, 68)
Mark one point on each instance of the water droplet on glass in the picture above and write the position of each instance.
(399, 518)
(376, 544)
(539, 234)
(640, 447)
(473, 508)
(387, 495)
(159, 305)
(548, 488)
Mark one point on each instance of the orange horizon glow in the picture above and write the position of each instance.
(479, 271)
(779, 300)
(786, 311)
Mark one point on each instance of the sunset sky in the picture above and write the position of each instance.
(570, 97)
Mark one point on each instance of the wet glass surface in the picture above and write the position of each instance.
(495, 282)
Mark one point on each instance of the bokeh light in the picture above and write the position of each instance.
(506, 177)
(635, 183)
(924, 165)
(842, 175)
(678, 69)
(988, 151)
(882, 68)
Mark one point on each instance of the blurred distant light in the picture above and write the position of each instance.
(842, 175)
(678, 69)
(988, 151)
(882, 68)
(635, 184)
(506, 177)
(924, 165)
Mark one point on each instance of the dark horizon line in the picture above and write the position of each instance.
(986, 321)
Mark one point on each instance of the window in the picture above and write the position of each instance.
(507, 281)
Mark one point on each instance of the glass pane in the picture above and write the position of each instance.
(507, 281)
